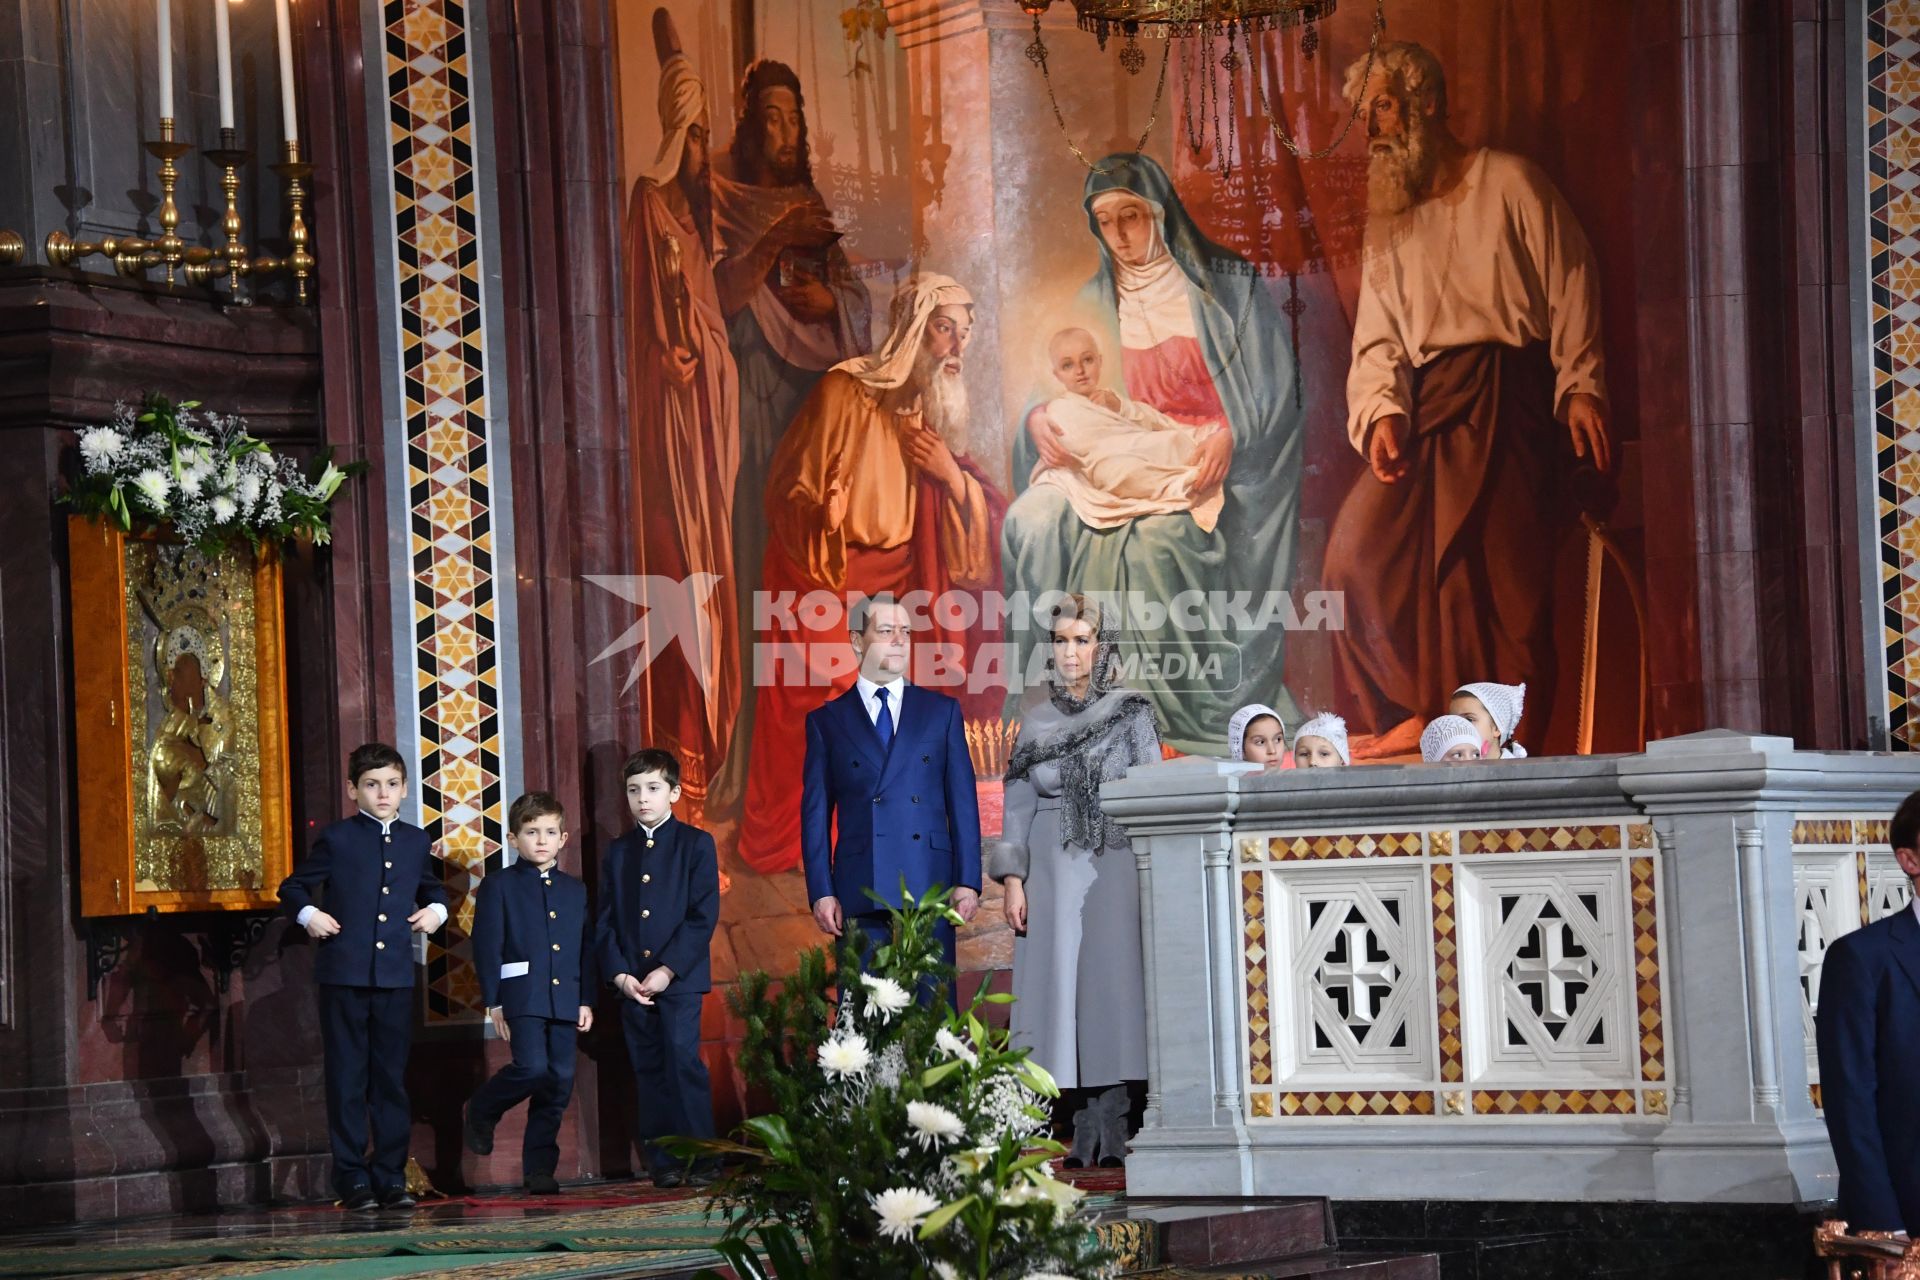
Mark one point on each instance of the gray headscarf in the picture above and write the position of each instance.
(1079, 734)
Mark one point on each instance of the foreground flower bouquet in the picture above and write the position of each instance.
(202, 478)
(905, 1140)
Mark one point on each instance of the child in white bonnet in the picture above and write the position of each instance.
(1493, 709)
(1451, 740)
(1321, 743)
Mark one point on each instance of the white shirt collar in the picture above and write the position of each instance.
(650, 832)
(386, 827)
(896, 689)
(1915, 906)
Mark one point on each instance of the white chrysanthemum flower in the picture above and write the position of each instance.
(884, 997)
(223, 508)
(945, 1270)
(190, 481)
(933, 1124)
(154, 485)
(954, 1047)
(901, 1211)
(99, 446)
(1046, 1275)
(845, 1056)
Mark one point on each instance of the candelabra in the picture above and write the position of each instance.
(223, 266)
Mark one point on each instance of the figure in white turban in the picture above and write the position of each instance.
(685, 423)
(870, 491)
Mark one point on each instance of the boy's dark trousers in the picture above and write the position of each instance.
(675, 1098)
(542, 1069)
(366, 1034)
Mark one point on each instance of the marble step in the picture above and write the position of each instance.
(1327, 1264)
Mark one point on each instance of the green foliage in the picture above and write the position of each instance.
(905, 1139)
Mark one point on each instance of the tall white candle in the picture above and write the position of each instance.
(283, 26)
(166, 58)
(223, 54)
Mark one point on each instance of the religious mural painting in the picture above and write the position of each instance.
(917, 310)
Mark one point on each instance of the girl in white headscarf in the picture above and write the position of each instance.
(1321, 743)
(1257, 735)
(1452, 740)
(1493, 709)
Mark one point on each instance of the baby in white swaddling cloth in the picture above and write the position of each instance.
(1130, 459)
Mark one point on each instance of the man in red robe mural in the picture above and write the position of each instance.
(686, 425)
(1477, 394)
(871, 490)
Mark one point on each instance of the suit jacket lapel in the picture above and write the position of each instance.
(1906, 944)
(866, 738)
(915, 711)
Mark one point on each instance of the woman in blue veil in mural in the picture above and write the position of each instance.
(1197, 337)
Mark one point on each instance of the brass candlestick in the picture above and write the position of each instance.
(13, 248)
(230, 157)
(299, 260)
(166, 151)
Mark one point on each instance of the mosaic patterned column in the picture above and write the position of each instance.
(447, 484)
(1892, 135)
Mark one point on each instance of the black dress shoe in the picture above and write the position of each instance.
(668, 1179)
(397, 1198)
(360, 1200)
(540, 1184)
(699, 1177)
(479, 1137)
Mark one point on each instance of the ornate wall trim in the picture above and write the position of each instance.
(448, 484)
(1886, 288)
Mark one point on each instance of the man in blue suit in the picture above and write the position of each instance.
(1869, 1039)
(889, 761)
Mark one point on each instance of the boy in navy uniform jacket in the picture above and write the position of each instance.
(659, 903)
(1868, 1035)
(377, 876)
(532, 944)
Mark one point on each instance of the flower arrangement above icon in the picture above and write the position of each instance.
(905, 1138)
(202, 478)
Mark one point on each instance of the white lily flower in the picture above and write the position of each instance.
(954, 1047)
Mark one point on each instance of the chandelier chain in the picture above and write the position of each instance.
(1038, 53)
(1353, 115)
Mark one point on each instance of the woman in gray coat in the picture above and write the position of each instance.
(1072, 888)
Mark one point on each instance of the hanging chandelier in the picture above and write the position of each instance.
(1158, 18)
(1215, 33)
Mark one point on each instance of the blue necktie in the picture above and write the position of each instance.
(884, 721)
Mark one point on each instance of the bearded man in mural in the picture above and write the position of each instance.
(1199, 339)
(686, 421)
(1477, 390)
(870, 491)
(794, 305)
